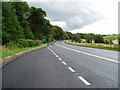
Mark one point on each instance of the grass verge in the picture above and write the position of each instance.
(100, 47)
(8, 52)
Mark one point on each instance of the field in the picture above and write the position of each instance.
(113, 38)
(112, 43)
(96, 45)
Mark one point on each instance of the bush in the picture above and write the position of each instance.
(88, 38)
(98, 39)
(28, 43)
(11, 45)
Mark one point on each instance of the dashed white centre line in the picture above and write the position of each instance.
(56, 55)
(51, 51)
(71, 69)
(59, 58)
(64, 63)
(82, 79)
(49, 46)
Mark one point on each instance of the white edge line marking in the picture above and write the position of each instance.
(82, 79)
(71, 69)
(59, 58)
(64, 63)
(89, 54)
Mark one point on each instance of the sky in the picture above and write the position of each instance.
(81, 16)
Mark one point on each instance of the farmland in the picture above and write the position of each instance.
(113, 38)
(112, 43)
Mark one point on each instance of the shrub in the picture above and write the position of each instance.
(11, 45)
(28, 43)
(109, 41)
(98, 39)
(88, 38)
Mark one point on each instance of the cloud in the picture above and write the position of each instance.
(59, 23)
(75, 15)
(100, 27)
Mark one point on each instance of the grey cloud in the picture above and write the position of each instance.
(74, 14)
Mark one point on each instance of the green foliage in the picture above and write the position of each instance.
(119, 39)
(50, 38)
(70, 35)
(98, 39)
(12, 45)
(22, 12)
(66, 36)
(75, 37)
(88, 38)
(11, 26)
(5, 37)
(37, 22)
(22, 22)
(59, 34)
(109, 39)
(27, 43)
(116, 48)
(11, 50)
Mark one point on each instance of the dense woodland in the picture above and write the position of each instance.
(21, 23)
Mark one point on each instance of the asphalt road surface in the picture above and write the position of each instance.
(63, 66)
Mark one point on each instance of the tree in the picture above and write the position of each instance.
(119, 39)
(66, 36)
(88, 38)
(59, 34)
(70, 35)
(37, 22)
(22, 12)
(75, 37)
(98, 39)
(11, 29)
(22, 22)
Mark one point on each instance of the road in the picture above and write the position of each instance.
(63, 66)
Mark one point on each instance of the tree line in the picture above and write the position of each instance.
(19, 21)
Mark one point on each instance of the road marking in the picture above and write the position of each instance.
(71, 69)
(64, 63)
(82, 79)
(59, 58)
(89, 54)
(49, 46)
(52, 51)
(56, 55)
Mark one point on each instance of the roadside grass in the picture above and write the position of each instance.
(6, 51)
(94, 45)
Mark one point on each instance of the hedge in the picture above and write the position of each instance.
(27, 43)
